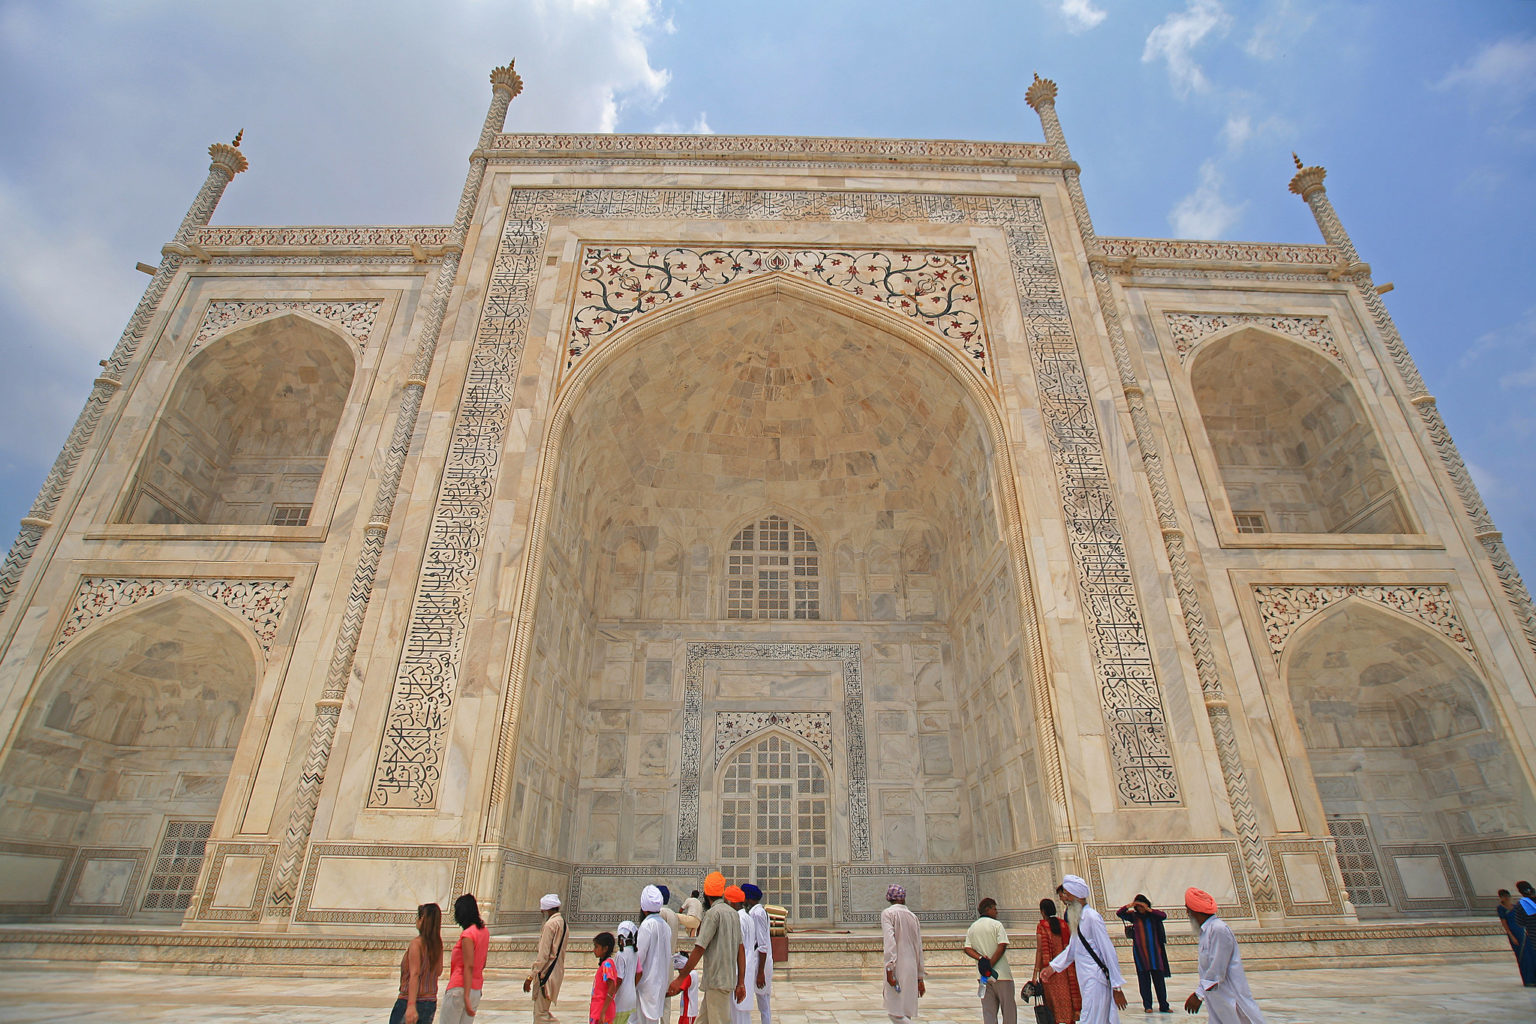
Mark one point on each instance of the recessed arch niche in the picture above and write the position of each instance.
(775, 398)
(244, 437)
(1291, 439)
(1406, 749)
(129, 726)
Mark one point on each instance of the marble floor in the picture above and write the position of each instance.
(1467, 993)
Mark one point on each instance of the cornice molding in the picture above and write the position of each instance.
(551, 145)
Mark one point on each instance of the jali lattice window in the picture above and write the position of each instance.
(176, 865)
(1357, 862)
(773, 825)
(773, 571)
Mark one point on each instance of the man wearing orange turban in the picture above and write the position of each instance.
(719, 945)
(1222, 987)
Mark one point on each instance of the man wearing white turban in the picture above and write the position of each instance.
(1098, 965)
(654, 957)
(548, 969)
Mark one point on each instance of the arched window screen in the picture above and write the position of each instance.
(774, 817)
(773, 572)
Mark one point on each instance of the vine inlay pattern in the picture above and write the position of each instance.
(409, 766)
(1189, 329)
(1284, 609)
(258, 602)
(731, 727)
(355, 318)
(621, 282)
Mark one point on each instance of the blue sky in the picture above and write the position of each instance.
(1183, 116)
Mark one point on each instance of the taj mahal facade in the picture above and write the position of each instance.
(835, 512)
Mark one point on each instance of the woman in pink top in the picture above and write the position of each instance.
(463, 995)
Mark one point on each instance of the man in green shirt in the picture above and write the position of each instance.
(987, 940)
(719, 946)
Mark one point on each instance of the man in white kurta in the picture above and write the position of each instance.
(1223, 986)
(904, 971)
(741, 1009)
(1091, 951)
(760, 980)
(653, 951)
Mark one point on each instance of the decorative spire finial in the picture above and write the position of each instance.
(506, 78)
(1297, 159)
(1040, 91)
(1306, 179)
(238, 136)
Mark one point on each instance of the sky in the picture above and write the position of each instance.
(1182, 114)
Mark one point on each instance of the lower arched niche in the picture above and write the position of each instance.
(1407, 753)
(775, 408)
(125, 752)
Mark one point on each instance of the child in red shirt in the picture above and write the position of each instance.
(605, 984)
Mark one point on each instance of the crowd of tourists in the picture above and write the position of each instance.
(1519, 920)
(727, 971)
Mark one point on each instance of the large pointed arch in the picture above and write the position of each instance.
(882, 336)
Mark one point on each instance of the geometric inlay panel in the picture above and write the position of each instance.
(1188, 329)
(1283, 609)
(622, 282)
(354, 318)
(259, 602)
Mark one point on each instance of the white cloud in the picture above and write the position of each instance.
(1237, 131)
(1081, 15)
(700, 126)
(1175, 39)
(1505, 69)
(1241, 128)
(1204, 213)
(1278, 31)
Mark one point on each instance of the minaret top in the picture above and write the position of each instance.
(506, 78)
(1307, 179)
(1042, 90)
(228, 155)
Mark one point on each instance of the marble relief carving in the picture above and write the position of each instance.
(622, 282)
(731, 727)
(1283, 609)
(1189, 329)
(259, 602)
(408, 770)
(355, 318)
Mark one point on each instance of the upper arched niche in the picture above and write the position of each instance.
(1291, 439)
(246, 432)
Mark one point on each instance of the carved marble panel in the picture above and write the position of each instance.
(622, 282)
(1189, 329)
(1283, 609)
(259, 602)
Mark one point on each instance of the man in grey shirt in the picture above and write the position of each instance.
(725, 962)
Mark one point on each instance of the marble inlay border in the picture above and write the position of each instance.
(259, 602)
(1317, 848)
(731, 727)
(327, 235)
(63, 855)
(1457, 900)
(852, 660)
(1189, 329)
(356, 319)
(1284, 609)
(1097, 851)
(459, 855)
(214, 858)
(846, 873)
(408, 770)
(620, 282)
(137, 856)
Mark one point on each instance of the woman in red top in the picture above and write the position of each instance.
(467, 972)
(1051, 937)
(605, 985)
(419, 968)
